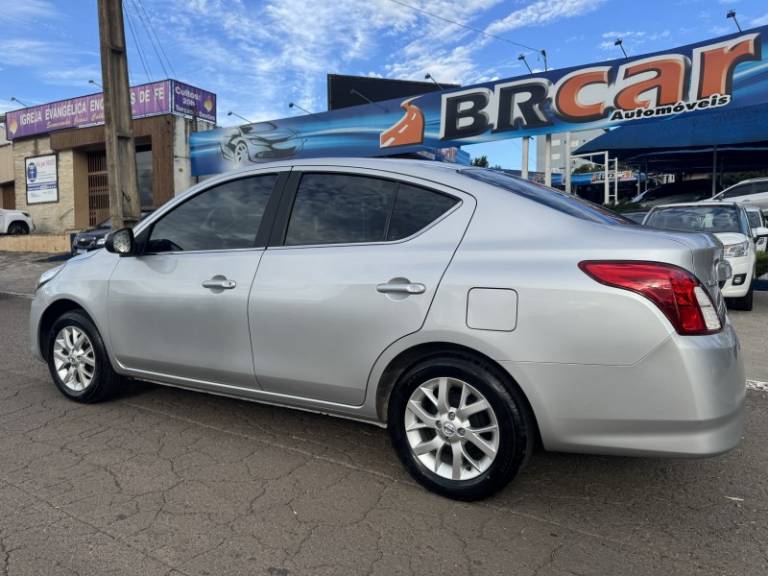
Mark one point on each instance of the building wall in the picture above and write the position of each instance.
(54, 216)
(6, 163)
(182, 164)
(558, 148)
(171, 167)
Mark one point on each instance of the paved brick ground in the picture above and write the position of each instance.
(168, 482)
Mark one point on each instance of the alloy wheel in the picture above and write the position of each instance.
(451, 428)
(74, 358)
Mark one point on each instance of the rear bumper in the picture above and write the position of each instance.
(684, 399)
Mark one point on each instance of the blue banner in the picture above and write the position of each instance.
(726, 73)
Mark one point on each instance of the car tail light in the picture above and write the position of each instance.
(677, 292)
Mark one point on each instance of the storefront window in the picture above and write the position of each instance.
(144, 170)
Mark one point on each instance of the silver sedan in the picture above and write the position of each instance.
(474, 314)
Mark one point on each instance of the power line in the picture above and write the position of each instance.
(153, 37)
(136, 41)
(467, 26)
(149, 37)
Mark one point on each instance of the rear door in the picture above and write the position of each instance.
(354, 262)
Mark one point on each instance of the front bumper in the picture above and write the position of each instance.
(685, 398)
(741, 267)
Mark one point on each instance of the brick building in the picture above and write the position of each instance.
(72, 133)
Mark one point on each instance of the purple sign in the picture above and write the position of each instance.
(191, 101)
(164, 97)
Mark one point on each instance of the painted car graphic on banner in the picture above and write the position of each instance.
(727, 73)
(408, 130)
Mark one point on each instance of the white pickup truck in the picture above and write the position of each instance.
(15, 222)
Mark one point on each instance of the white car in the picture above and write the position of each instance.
(15, 222)
(753, 192)
(759, 228)
(727, 221)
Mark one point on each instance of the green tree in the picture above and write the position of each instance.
(481, 161)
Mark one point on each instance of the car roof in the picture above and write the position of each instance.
(405, 166)
(699, 204)
(748, 180)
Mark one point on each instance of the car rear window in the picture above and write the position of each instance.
(567, 203)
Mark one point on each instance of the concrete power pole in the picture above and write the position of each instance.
(124, 203)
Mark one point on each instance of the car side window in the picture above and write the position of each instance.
(347, 209)
(340, 209)
(224, 217)
(415, 209)
(743, 190)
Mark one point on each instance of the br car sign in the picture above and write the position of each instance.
(726, 73)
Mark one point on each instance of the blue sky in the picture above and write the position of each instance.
(259, 55)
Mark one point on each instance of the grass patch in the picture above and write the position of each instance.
(762, 263)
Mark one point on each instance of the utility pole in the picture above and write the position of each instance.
(124, 203)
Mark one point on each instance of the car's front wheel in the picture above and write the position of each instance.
(78, 361)
(459, 427)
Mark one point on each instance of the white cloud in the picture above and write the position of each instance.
(633, 39)
(72, 76)
(543, 12)
(28, 52)
(26, 12)
(761, 21)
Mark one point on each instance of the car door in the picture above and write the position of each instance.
(179, 310)
(353, 264)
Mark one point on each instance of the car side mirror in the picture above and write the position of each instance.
(121, 242)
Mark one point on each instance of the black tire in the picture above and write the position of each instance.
(18, 228)
(105, 380)
(744, 303)
(516, 426)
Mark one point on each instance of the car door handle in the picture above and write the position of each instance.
(401, 288)
(219, 283)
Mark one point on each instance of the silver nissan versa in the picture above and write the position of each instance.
(472, 313)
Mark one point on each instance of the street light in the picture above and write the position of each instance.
(732, 14)
(544, 55)
(364, 97)
(14, 99)
(294, 105)
(95, 84)
(429, 76)
(522, 57)
(230, 113)
(620, 43)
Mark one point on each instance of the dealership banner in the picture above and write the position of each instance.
(164, 97)
(725, 73)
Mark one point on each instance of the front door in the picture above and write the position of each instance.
(179, 310)
(360, 259)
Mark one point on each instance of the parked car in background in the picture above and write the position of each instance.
(759, 228)
(93, 238)
(753, 191)
(727, 221)
(15, 222)
(472, 313)
(636, 216)
(674, 193)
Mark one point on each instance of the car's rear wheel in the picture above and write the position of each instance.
(459, 427)
(78, 361)
(18, 228)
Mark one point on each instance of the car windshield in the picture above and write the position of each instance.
(550, 197)
(754, 219)
(696, 219)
